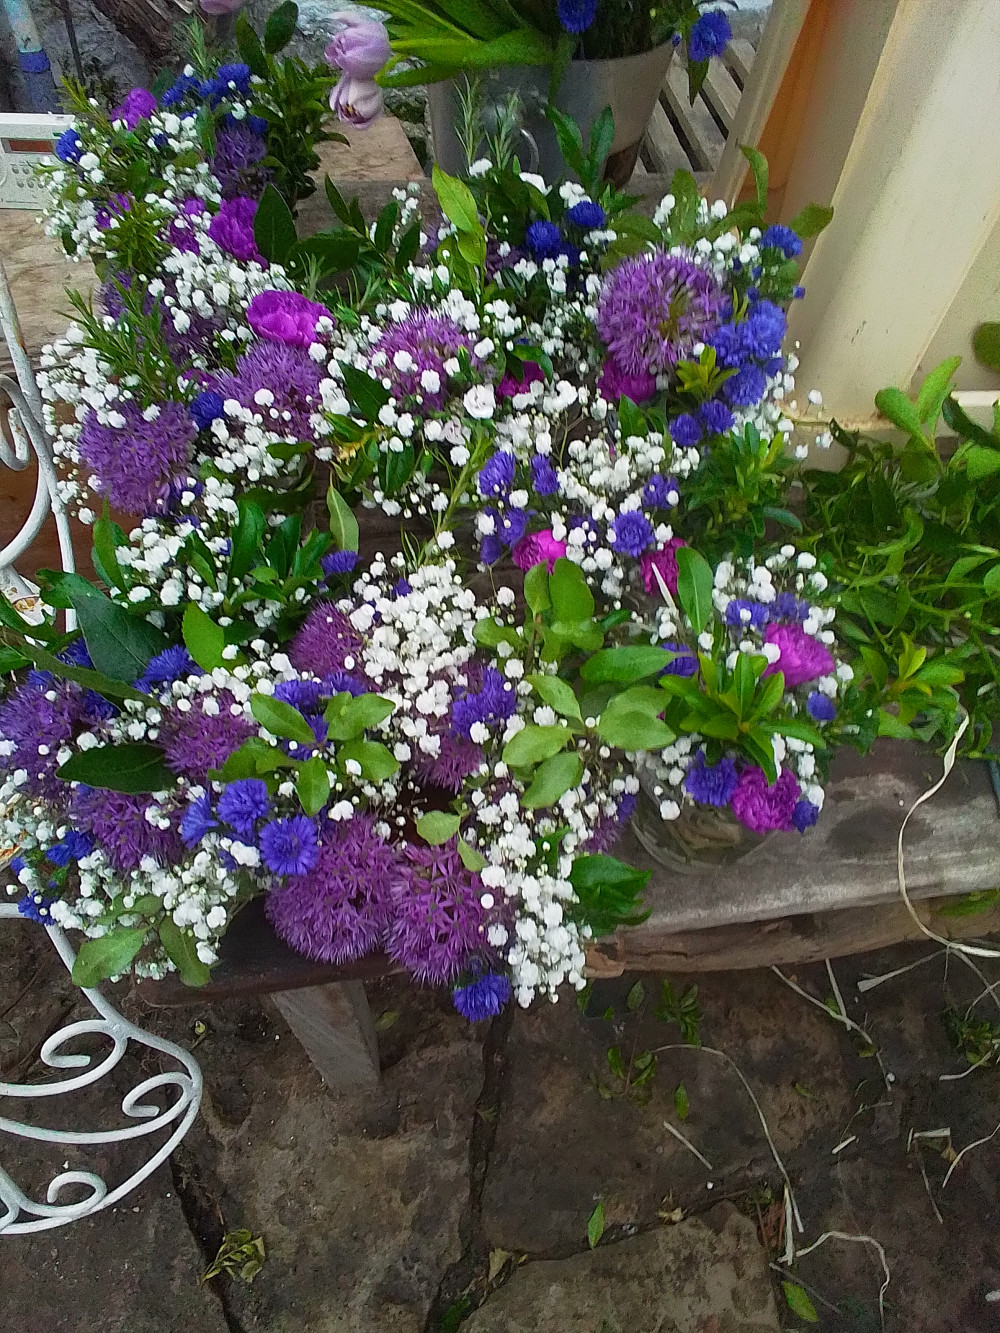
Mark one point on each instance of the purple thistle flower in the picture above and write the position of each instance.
(685, 430)
(497, 474)
(493, 703)
(338, 562)
(457, 759)
(437, 914)
(430, 340)
(543, 476)
(716, 417)
(342, 908)
(710, 784)
(287, 372)
(243, 803)
(74, 846)
(206, 408)
(763, 808)
(655, 307)
(783, 239)
(544, 240)
(325, 642)
(587, 214)
(236, 163)
(710, 35)
(820, 708)
(28, 719)
(804, 815)
(196, 741)
(197, 820)
(482, 997)
(741, 613)
(290, 846)
(166, 667)
(135, 462)
(633, 533)
(35, 907)
(119, 825)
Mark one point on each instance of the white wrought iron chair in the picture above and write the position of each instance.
(19, 1213)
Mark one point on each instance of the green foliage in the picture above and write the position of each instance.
(132, 767)
(682, 1009)
(799, 1303)
(977, 1040)
(595, 1225)
(609, 893)
(437, 827)
(241, 1255)
(109, 956)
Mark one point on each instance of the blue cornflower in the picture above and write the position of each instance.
(497, 474)
(341, 682)
(543, 476)
(72, 848)
(69, 147)
(338, 562)
(798, 293)
(17, 864)
(786, 606)
(710, 784)
(483, 997)
(763, 330)
(587, 214)
(730, 353)
(490, 550)
(289, 846)
(301, 694)
(243, 803)
(237, 73)
(206, 408)
(544, 240)
(633, 533)
(257, 125)
(197, 820)
(783, 239)
(716, 417)
(656, 491)
(166, 667)
(178, 90)
(403, 588)
(741, 613)
(747, 387)
(710, 35)
(494, 702)
(35, 906)
(685, 430)
(577, 15)
(513, 524)
(804, 815)
(821, 708)
(684, 664)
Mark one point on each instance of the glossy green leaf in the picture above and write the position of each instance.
(181, 948)
(694, 587)
(109, 956)
(312, 786)
(438, 826)
(249, 47)
(90, 680)
(558, 694)
(633, 730)
(357, 715)
(471, 859)
(981, 462)
(133, 767)
(281, 719)
(367, 394)
(553, 779)
(120, 644)
(106, 550)
(895, 405)
(934, 390)
(534, 744)
(377, 762)
(203, 638)
(274, 226)
(536, 587)
(572, 600)
(250, 528)
(343, 525)
(625, 665)
(456, 199)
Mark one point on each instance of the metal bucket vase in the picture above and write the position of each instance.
(700, 838)
(630, 85)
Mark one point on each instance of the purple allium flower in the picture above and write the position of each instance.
(482, 997)
(138, 105)
(135, 462)
(325, 641)
(543, 476)
(232, 231)
(821, 708)
(338, 562)
(166, 667)
(197, 820)
(655, 307)
(802, 657)
(740, 613)
(290, 374)
(286, 317)
(197, 741)
(236, 163)
(577, 15)
(783, 239)
(243, 803)
(206, 408)
(360, 48)
(710, 784)
(746, 388)
(437, 914)
(587, 214)
(633, 533)
(457, 759)
(615, 383)
(685, 430)
(684, 664)
(711, 33)
(804, 815)
(69, 147)
(290, 846)
(72, 848)
(118, 823)
(429, 341)
(716, 417)
(497, 474)
(535, 548)
(29, 719)
(494, 702)
(763, 808)
(341, 909)
(35, 907)
(544, 240)
(786, 606)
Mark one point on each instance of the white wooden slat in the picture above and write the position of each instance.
(697, 131)
(663, 145)
(739, 57)
(722, 94)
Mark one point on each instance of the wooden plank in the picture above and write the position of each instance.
(336, 1029)
(739, 57)
(664, 147)
(722, 95)
(701, 138)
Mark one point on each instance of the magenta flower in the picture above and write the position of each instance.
(615, 383)
(360, 49)
(762, 808)
(665, 560)
(509, 386)
(802, 657)
(535, 548)
(285, 317)
(232, 230)
(221, 6)
(357, 102)
(138, 105)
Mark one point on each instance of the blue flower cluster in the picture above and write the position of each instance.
(710, 35)
(492, 704)
(751, 349)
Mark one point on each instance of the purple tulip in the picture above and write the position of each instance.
(360, 49)
(221, 6)
(357, 102)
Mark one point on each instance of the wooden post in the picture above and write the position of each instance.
(334, 1025)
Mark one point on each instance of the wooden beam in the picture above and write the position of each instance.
(722, 95)
(738, 57)
(701, 137)
(336, 1029)
(663, 145)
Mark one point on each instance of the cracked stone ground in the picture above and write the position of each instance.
(459, 1196)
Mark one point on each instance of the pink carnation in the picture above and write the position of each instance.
(802, 657)
(535, 548)
(665, 560)
(285, 317)
(763, 808)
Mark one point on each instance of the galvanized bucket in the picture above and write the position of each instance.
(630, 85)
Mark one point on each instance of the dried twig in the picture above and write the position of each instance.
(671, 1129)
(840, 1016)
(861, 1240)
(968, 1148)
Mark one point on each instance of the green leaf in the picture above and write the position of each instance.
(758, 165)
(343, 525)
(991, 582)
(935, 390)
(357, 715)
(120, 644)
(536, 587)
(635, 997)
(281, 719)
(558, 694)
(109, 956)
(981, 462)
(106, 550)
(890, 725)
(367, 394)
(895, 405)
(438, 826)
(800, 731)
(811, 221)
(682, 1103)
(133, 767)
(250, 528)
(553, 779)
(90, 680)
(11, 659)
(312, 786)
(274, 226)
(624, 665)
(470, 857)
(799, 1303)
(280, 27)
(203, 638)
(595, 1226)
(182, 949)
(249, 47)
(986, 345)
(633, 730)
(534, 744)
(694, 587)
(648, 699)
(377, 762)
(572, 600)
(457, 202)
